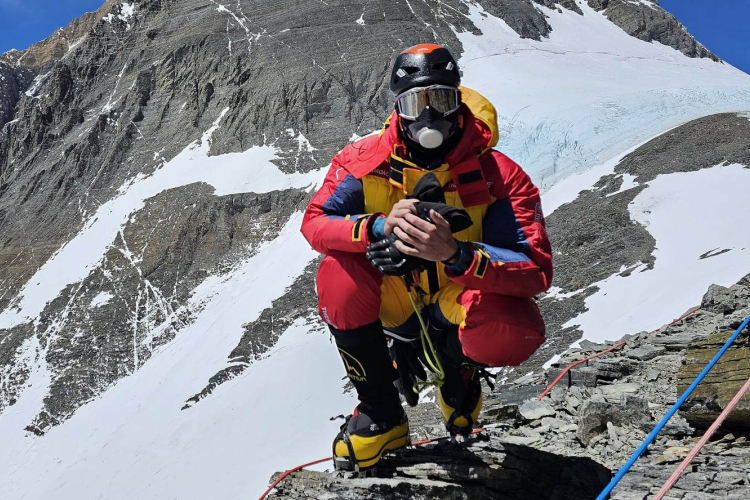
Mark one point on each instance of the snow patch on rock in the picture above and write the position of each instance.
(361, 20)
(37, 84)
(101, 299)
(249, 171)
(687, 214)
(127, 11)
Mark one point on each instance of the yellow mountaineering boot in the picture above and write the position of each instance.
(460, 399)
(460, 396)
(361, 443)
(378, 424)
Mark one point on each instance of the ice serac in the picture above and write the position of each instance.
(155, 157)
(633, 257)
(554, 125)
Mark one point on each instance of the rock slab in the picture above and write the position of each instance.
(720, 385)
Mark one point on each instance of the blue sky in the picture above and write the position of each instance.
(722, 25)
(25, 22)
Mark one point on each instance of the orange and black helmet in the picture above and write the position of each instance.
(422, 65)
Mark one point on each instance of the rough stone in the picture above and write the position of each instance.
(582, 376)
(615, 391)
(535, 410)
(593, 416)
(646, 352)
(490, 470)
(721, 383)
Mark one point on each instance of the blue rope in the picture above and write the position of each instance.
(650, 438)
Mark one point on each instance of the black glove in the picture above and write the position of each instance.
(387, 259)
(458, 218)
(407, 358)
(431, 196)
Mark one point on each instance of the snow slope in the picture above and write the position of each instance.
(135, 442)
(693, 217)
(590, 91)
(138, 443)
(250, 171)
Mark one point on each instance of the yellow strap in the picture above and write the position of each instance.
(433, 361)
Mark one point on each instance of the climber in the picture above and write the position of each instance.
(426, 218)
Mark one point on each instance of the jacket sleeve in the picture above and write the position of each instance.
(515, 256)
(334, 219)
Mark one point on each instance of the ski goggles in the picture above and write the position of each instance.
(441, 98)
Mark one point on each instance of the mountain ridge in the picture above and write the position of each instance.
(156, 172)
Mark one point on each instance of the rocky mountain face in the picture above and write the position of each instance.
(53, 48)
(90, 116)
(644, 20)
(14, 80)
(121, 91)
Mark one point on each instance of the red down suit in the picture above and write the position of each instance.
(492, 302)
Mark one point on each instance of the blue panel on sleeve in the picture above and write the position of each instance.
(503, 254)
(501, 229)
(347, 199)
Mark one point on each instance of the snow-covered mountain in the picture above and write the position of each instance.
(157, 328)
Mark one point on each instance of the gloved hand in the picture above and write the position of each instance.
(387, 259)
(406, 356)
(458, 218)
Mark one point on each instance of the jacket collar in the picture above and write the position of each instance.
(475, 139)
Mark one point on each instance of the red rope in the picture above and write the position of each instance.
(700, 444)
(573, 365)
(285, 474)
(601, 353)
(322, 460)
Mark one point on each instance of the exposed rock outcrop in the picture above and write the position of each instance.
(601, 412)
(483, 468)
(61, 42)
(13, 82)
(647, 21)
(720, 385)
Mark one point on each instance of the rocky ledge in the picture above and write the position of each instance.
(564, 446)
